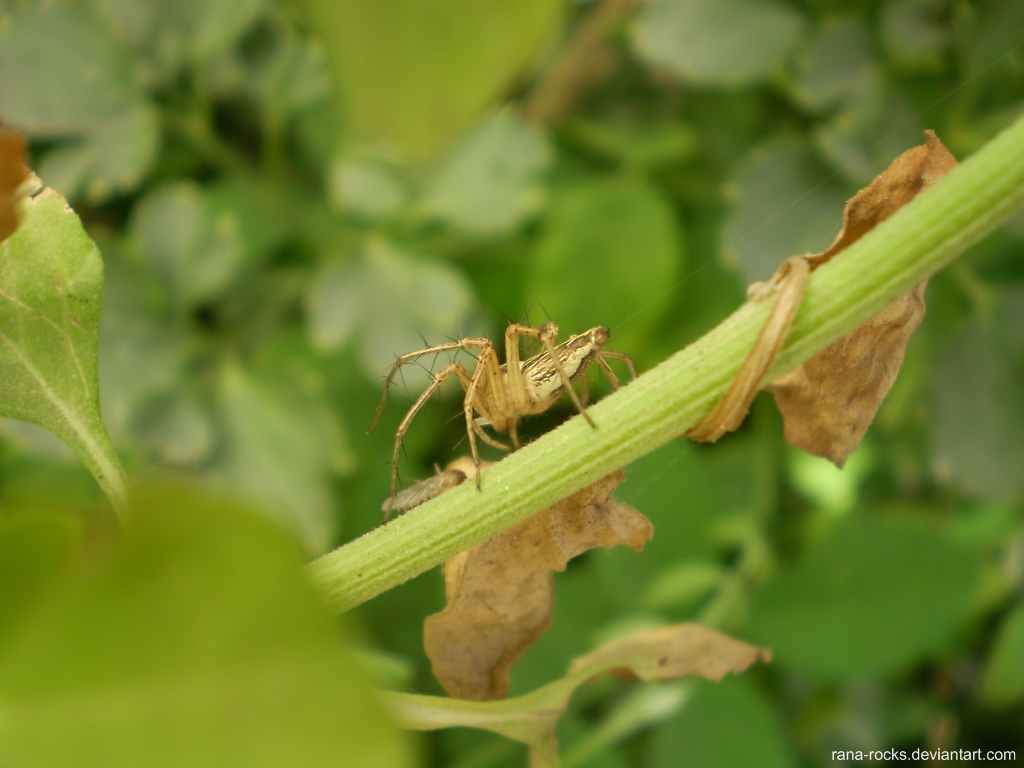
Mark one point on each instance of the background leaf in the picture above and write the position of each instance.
(868, 598)
(414, 77)
(63, 76)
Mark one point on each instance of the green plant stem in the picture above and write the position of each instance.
(100, 458)
(920, 239)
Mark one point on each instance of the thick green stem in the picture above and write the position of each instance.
(660, 405)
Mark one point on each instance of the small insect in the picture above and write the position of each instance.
(422, 491)
(503, 394)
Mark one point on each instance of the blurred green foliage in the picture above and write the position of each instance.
(288, 195)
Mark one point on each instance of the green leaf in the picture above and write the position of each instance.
(784, 204)
(414, 76)
(391, 302)
(365, 187)
(283, 453)
(196, 252)
(717, 42)
(728, 725)
(34, 549)
(167, 36)
(611, 251)
(1003, 681)
(491, 182)
(198, 643)
(51, 283)
(978, 430)
(867, 599)
(914, 33)
(62, 75)
(839, 69)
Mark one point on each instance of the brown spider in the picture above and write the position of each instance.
(503, 394)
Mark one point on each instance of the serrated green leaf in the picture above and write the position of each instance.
(51, 283)
(978, 429)
(606, 243)
(64, 76)
(491, 182)
(728, 725)
(198, 643)
(717, 42)
(414, 76)
(1003, 681)
(867, 599)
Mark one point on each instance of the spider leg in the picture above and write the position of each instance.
(612, 378)
(487, 364)
(515, 435)
(462, 344)
(619, 356)
(453, 369)
(488, 439)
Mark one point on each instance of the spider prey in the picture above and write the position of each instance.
(503, 394)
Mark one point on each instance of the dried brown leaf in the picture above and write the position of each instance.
(500, 592)
(13, 173)
(665, 653)
(829, 402)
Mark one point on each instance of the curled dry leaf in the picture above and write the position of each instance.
(500, 592)
(13, 173)
(830, 400)
(663, 653)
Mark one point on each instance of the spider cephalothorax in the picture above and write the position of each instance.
(503, 394)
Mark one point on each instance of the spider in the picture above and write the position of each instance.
(503, 394)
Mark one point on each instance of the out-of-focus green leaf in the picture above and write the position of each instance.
(166, 36)
(199, 644)
(646, 144)
(783, 205)
(283, 454)
(63, 76)
(196, 253)
(392, 302)
(682, 583)
(914, 33)
(176, 431)
(365, 187)
(51, 284)
(414, 75)
(611, 250)
(866, 600)
(839, 68)
(728, 725)
(491, 182)
(978, 431)
(34, 549)
(141, 356)
(717, 42)
(1003, 681)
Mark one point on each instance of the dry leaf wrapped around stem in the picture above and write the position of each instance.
(830, 400)
(501, 595)
(13, 173)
